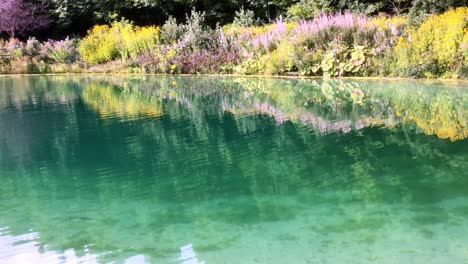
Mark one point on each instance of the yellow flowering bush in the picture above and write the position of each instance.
(119, 40)
(98, 46)
(435, 47)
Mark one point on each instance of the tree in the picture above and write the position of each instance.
(77, 16)
(420, 9)
(307, 9)
(244, 18)
(18, 17)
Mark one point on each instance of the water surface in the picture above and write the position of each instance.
(130, 169)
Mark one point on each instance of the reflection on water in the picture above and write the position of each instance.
(25, 248)
(111, 101)
(327, 106)
(232, 170)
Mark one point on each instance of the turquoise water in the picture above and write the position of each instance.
(237, 170)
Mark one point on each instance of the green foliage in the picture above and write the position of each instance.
(251, 66)
(307, 61)
(363, 6)
(341, 60)
(421, 9)
(171, 31)
(307, 9)
(78, 16)
(244, 18)
(196, 31)
(417, 10)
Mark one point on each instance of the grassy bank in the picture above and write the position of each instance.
(343, 44)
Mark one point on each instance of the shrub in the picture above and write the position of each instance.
(344, 28)
(171, 31)
(217, 55)
(244, 18)
(204, 61)
(280, 60)
(18, 49)
(387, 31)
(141, 39)
(341, 60)
(99, 45)
(251, 66)
(32, 47)
(196, 33)
(269, 39)
(120, 40)
(308, 61)
(308, 9)
(434, 48)
(63, 51)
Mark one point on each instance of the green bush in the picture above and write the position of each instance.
(171, 31)
(196, 34)
(244, 18)
(251, 66)
(308, 61)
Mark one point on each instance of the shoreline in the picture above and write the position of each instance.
(439, 80)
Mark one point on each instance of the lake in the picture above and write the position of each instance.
(115, 169)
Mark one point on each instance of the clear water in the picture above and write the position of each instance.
(130, 169)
